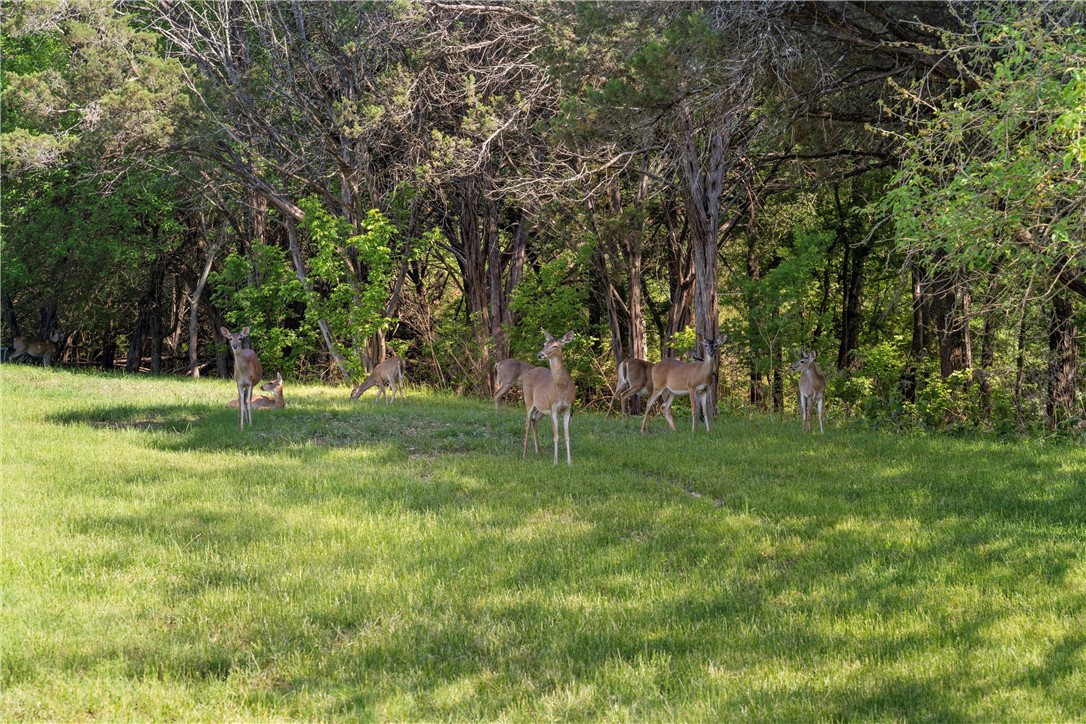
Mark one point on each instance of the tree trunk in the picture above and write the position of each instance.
(1063, 361)
(681, 278)
(517, 255)
(108, 355)
(145, 322)
(1020, 366)
(987, 361)
(300, 272)
(497, 301)
(194, 305)
(950, 302)
(703, 189)
(852, 285)
(778, 380)
(633, 245)
(754, 274)
(47, 320)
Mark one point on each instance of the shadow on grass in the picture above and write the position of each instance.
(523, 580)
(305, 428)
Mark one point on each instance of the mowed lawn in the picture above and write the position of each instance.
(345, 560)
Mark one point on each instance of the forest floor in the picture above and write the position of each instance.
(356, 560)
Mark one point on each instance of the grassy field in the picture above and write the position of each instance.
(347, 560)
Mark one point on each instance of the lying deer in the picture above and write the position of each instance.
(549, 391)
(812, 388)
(263, 402)
(634, 378)
(389, 373)
(247, 373)
(508, 374)
(671, 378)
(44, 349)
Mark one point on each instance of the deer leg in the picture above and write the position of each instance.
(249, 403)
(501, 391)
(611, 405)
(820, 416)
(554, 430)
(241, 405)
(667, 411)
(535, 429)
(648, 408)
(569, 458)
(527, 427)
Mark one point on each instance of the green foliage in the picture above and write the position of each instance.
(953, 401)
(261, 292)
(552, 297)
(779, 309)
(684, 340)
(351, 301)
(1003, 160)
(84, 85)
(85, 245)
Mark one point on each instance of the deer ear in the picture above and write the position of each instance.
(245, 332)
(546, 335)
(225, 331)
(813, 354)
(568, 338)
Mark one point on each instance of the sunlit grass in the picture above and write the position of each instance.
(350, 559)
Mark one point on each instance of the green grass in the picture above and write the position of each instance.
(347, 560)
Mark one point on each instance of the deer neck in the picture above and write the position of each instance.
(559, 373)
(708, 364)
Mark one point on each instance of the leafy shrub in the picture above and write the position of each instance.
(271, 307)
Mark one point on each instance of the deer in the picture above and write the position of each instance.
(634, 378)
(44, 349)
(263, 402)
(247, 372)
(508, 374)
(671, 378)
(549, 391)
(812, 388)
(389, 373)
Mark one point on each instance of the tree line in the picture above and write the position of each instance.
(897, 186)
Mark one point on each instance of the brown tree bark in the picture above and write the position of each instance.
(1063, 361)
(681, 283)
(950, 307)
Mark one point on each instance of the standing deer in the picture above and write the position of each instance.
(508, 374)
(45, 349)
(812, 388)
(549, 391)
(634, 378)
(247, 373)
(389, 373)
(671, 378)
(264, 402)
